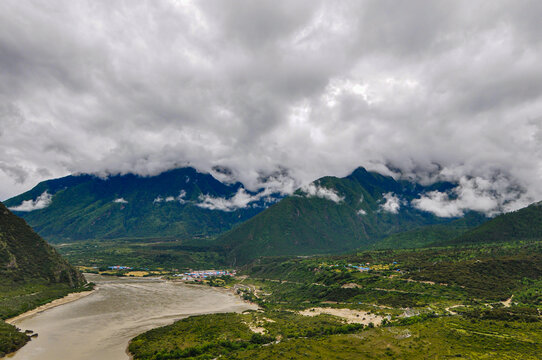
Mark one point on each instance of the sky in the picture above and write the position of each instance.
(279, 93)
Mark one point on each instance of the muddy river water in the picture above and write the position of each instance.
(100, 325)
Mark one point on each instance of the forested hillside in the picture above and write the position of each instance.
(180, 203)
(332, 215)
(31, 273)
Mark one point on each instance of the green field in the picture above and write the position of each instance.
(476, 302)
(142, 253)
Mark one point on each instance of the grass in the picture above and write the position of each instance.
(291, 336)
(440, 338)
(417, 300)
(140, 253)
(10, 338)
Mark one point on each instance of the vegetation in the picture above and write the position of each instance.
(435, 339)
(83, 207)
(358, 220)
(407, 278)
(431, 234)
(209, 336)
(436, 303)
(10, 338)
(31, 273)
(522, 224)
(153, 254)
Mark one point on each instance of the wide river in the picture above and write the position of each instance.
(100, 325)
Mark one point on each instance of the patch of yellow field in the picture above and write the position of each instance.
(137, 273)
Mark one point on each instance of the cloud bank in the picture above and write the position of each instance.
(428, 90)
(242, 199)
(392, 203)
(120, 201)
(41, 202)
(180, 198)
(315, 190)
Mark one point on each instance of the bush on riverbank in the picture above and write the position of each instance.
(10, 339)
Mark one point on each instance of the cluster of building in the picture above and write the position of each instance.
(365, 267)
(119, 267)
(359, 267)
(204, 274)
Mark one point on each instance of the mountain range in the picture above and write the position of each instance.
(181, 203)
(334, 215)
(364, 210)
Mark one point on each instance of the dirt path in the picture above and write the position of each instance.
(453, 307)
(507, 303)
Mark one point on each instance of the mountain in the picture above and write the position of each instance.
(332, 215)
(26, 257)
(180, 203)
(31, 273)
(523, 224)
(431, 235)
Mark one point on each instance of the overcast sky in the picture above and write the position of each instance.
(299, 89)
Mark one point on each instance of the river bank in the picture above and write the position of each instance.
(101, 324)
(62, 301)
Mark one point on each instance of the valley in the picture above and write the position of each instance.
(332, 269)
(270, 180)
(473, 302)
(100, 325)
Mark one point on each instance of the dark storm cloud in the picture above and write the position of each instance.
(281, 90)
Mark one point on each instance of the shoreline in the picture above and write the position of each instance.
(78, 295)
(64, 300)
(230, 291)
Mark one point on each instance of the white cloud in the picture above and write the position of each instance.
(41, 202)
(362, 212)
(428, 88)
(180, 198)
(314, 190)
(240, 200)
(392, 203)
(471, 194)
(120, 201)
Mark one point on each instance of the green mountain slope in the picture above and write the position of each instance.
(25, 256)
(180, 203)
(332, 215)
(431, 234)
(523, 224)
(31, 273)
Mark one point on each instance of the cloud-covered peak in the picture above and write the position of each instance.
(250, 89)
(476, 194)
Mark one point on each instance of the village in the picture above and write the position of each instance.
(189, 275)
(363, 267)
(204, 274)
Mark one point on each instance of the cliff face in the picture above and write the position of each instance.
(26, 257)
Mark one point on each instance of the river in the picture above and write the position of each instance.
(99, 326)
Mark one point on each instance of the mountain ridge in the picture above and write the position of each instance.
(181, 203)
(351, 212)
